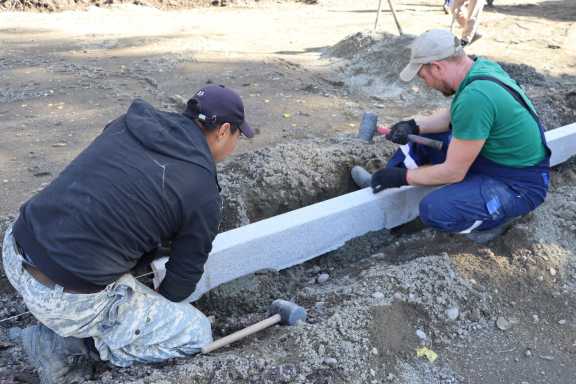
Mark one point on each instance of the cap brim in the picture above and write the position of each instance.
(247, 130)
(410, 71)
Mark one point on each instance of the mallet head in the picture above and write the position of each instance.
(289, 312)
(368, 126)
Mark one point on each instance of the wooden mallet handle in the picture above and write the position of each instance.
(242, 333)
(426, 141)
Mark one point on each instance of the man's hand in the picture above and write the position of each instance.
(388, 178)
(398, 133)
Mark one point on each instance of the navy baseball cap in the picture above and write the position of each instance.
(216, 104)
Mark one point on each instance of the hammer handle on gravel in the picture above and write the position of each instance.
(242, 333)
(426, 141)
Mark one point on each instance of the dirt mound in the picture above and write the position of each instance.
(557, 108)
(351, 45)
(524, 74)
(371, 64)
(279, 179)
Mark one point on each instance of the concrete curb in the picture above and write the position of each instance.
(294, 237)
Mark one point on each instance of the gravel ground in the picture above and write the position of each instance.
(500, 313)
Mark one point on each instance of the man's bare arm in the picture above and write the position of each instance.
(461, 155)
(437, 122)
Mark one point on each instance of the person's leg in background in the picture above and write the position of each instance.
(459, 13)
(470, 32)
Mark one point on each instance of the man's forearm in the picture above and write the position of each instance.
(433, 175)
(461, 155)
(437, 122)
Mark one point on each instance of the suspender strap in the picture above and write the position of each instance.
(514, 93)
(520, 99)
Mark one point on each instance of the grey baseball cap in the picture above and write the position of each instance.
(432, 45)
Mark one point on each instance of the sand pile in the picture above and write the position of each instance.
(370, 63)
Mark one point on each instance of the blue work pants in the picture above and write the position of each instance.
(481, 201)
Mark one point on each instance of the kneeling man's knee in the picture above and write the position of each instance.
(436, 213)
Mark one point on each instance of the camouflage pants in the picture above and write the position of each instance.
(467, 14)
(128, 321)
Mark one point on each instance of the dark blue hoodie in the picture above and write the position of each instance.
(148, 178)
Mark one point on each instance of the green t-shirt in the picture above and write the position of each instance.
(484, 110)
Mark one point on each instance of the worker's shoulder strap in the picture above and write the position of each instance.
(520, 99)
(515, 94)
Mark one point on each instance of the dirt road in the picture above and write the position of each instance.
(64, 76)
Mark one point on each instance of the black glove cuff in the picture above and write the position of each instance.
(414, 127)
(400, 174)
(389, 178)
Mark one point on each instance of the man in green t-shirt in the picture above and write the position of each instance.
(495, 161)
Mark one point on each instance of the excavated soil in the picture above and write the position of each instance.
(504, 312)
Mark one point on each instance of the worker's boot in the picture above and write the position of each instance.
(482, 237)
(361, 177)
(58, 360)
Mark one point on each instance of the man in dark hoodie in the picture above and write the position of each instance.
(149, 178)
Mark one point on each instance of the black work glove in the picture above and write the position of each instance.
(388, 178)
(399, 132)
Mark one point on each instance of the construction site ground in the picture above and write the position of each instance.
(504, 312)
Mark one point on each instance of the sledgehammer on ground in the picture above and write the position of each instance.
(282, 311)
(370, 123)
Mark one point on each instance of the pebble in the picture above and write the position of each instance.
(503, 324)
(421, 334)
(315, 270)
(330, 361)
(322, 278)
(475, 315)
(452, 313)
(378, 295)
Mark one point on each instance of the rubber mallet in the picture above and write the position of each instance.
(369, 125)
(281, 311)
